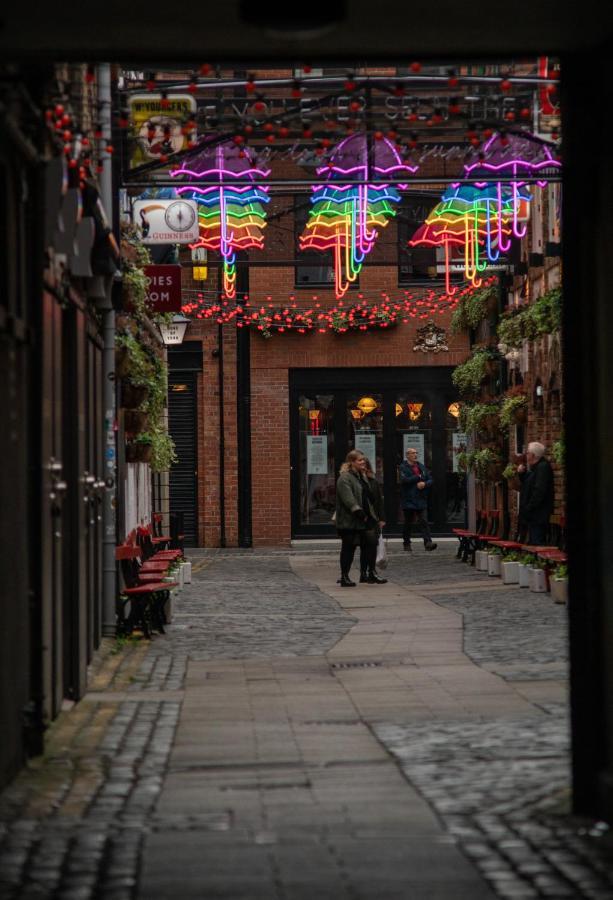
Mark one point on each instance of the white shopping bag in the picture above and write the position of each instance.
(381, 561)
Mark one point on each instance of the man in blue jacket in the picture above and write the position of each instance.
(415, 482)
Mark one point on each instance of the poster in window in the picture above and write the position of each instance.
(317, 454)
(366, 443)
(416, 440)
(458, 445)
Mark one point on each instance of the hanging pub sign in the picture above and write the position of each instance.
(163, 288)
(158, 125)
(166, 221)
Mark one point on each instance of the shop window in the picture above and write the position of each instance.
(313, 269)
(415, 264)
(316, 459)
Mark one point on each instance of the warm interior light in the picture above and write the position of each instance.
(313, 414)
(398, 409)
(367, 404)
(414, 411)
(357, 413)
(454, 410)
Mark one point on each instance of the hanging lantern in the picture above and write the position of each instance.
(454, 410)
(367, 404)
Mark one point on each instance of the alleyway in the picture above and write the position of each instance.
(291, 739)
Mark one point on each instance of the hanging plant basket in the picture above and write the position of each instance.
(493, 472)
(135, 421)
(138, 452)
(122, 362)
(132, 395)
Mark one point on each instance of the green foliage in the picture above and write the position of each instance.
(510, 471)
(558, 451)
(473, 417)
(512, 556)
(470, 375)
(526, 559)
(544, 316)
(494, 551)
(472, 309)
(484, 463)
(509, 408)
(560, 571)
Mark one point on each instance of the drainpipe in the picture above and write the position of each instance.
(109, 398)
(222, 442)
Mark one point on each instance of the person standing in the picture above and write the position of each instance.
(537, 493)
(368, 546)
(355, 513)
(415, 484)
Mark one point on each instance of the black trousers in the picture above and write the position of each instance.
(419, 517)
(367, 541)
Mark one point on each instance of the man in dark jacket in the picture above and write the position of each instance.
(537, 494)
(415, 482)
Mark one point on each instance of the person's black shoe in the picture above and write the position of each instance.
(374, 578)
(363, 577)
(431, 545)
(407, 547)
(345, 581)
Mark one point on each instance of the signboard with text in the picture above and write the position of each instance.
(166, 221)
(164, 288)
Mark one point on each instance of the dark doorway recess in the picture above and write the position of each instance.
(380, 412)
(182, 421)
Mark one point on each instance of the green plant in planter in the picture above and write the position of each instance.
(478, 416)
(512, 556)
(163, 453)
(485, 463)
(560, 571)
(544, 316)
(511, 407)
(509, 471)
(471, 311)
(494, 551)
(526, 559)
(470, 375)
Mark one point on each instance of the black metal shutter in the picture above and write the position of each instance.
(182, 423)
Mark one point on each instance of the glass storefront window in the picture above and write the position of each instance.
(413, 429)
(456, 443)
(317, 475)
(365, 428)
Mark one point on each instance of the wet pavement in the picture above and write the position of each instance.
(291, 739)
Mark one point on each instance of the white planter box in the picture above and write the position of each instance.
(187, 572)
(538, 581)
(494, 561)
(481, 560)
(559, 590)
(510, 572)
(524, 575)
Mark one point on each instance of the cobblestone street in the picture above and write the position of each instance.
(291, 740)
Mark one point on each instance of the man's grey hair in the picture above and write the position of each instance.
(536, 448)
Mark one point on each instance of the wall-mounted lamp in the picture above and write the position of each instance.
(174, 332)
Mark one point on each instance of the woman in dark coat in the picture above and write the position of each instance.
(356, 516)
(368, 548)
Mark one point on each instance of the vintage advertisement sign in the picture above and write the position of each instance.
(166, 221)
(157, 124)
(164, 288)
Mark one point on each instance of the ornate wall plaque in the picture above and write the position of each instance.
(431, 339)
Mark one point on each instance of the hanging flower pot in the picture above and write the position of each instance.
(132, 395)
(135, 421)
(138, 452)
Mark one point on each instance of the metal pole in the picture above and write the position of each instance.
(109, 399)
